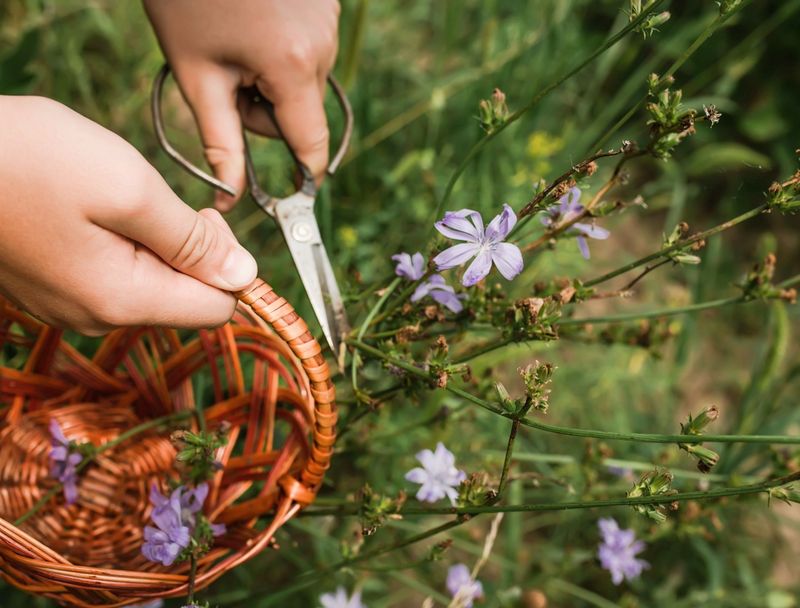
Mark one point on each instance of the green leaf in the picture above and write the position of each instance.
(717, 158)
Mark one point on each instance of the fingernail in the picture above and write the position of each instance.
(239, 269)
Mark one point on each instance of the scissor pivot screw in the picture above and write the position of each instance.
(301, 232)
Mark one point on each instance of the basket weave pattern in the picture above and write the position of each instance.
(269, 382)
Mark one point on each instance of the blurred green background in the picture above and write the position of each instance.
(414, 71)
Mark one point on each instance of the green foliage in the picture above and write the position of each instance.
(415, 72)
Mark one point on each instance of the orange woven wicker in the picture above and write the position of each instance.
(274, 390)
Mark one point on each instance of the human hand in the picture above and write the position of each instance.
(284, 47)
(92, 238)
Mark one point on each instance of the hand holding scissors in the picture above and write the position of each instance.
(293, 214)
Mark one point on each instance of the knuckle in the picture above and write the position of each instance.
(301, 55)
(319, 140)
(201, 239)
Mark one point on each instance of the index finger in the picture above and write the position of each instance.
(300, 112)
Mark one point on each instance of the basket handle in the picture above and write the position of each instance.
(276, 311)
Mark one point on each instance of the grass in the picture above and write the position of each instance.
(415, 71)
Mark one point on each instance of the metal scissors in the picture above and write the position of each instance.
(293, 214)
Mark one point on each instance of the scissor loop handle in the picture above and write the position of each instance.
(265, 200)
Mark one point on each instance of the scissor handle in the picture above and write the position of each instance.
(265, 200)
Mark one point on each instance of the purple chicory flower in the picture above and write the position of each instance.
(486, 246)
(567, 209)
(618, 551)
(460, 584)
(437, 288)
(191, 503)
(341, 600)
(410, 267)
(438, 475)
(165, 542)
(63, 462)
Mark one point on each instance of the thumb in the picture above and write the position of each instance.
(211, 91)
(198, 244)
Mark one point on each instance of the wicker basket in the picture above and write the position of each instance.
(273, 387)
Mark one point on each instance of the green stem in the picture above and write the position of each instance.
(574, 432)
(363, 328)
(192, 575)
(132, 432)
(679, 245)
(756, 488)
(536, 99)
(709, 31)
(308, 579)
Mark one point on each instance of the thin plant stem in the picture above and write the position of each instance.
(362, 330)
(679, 245)
(132, 432)
(477, 147)
(709, 31)
(575, 432)
(659, 499)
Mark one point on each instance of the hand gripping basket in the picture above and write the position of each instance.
(268, 380)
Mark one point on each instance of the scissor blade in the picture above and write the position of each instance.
(295, 216)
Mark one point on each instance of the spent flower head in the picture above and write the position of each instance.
(567, 210)
(484, 244)
(657, 482)
(462, 586)
(340, 599)
(438, 476)
(618, 550)
(64, 460)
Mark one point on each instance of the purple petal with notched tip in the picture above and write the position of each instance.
(462, 225)
(508, 259)
(501, 224)
(479, 268)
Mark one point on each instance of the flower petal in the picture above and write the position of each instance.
(417, 475)
(418, 265)
(501, 224)
(421, 291)
(508, 259)
(479, 268)
(448, 299)
(56, 434)
(456, 255)
(592, 231)
(70, 491)
(584, 247)
(462, 225)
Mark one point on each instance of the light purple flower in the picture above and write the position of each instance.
(165, 542)
(63, 462)
(340, 599)
(437, 288)
(486, 246)
(438, 475)
(410, 267)
(618, 551)
(621, 472)
(153, 604)
(567, 209)
(461, 585)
